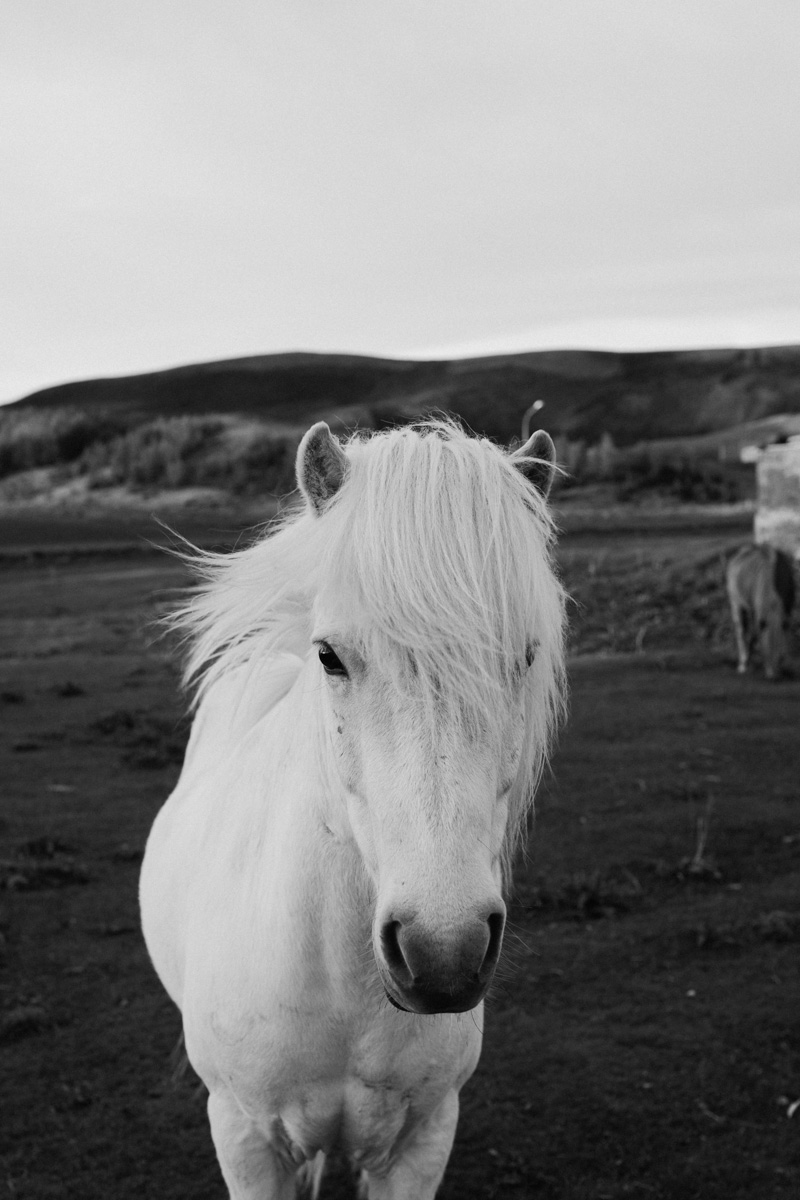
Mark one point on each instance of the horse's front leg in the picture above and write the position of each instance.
(252, 1167)
(417, 1171)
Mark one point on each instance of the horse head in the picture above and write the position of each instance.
(435, 660)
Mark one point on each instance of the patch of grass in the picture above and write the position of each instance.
(779, 925)
(43, 862)
(585, 895)
(148, 741)
(623, 603)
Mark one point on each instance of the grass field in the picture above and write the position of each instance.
(643, 1037)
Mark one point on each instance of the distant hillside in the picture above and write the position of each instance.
(631, 397)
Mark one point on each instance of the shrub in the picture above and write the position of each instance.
(173, 452)
(240, 455)
(43, 437)
(571, 457)
(269, 463)
(697, 481)
(159, 453)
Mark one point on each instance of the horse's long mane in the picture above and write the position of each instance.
(441, 548)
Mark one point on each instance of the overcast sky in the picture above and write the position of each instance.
(183, 180)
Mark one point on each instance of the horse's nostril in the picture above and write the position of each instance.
(393, 954)
(496, 922)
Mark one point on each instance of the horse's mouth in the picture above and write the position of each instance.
(429, 1004)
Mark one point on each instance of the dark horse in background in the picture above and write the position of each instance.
(761, 590)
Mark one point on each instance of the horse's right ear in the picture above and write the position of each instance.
(537, 461)
(321, 466)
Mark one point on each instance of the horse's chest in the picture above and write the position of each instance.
(315, 1081)
(366, 1117)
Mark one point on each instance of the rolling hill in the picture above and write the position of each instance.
(632, 397)
(670, 421)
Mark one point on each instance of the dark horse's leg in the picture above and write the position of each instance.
(745, 635)
(783, 580)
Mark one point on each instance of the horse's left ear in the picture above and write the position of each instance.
(321, 466)
(537, 461)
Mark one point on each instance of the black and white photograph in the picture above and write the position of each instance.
(399, 647)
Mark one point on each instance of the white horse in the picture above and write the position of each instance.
(321, 895)
(761, 589)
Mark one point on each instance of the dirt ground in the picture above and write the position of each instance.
(643, 1037)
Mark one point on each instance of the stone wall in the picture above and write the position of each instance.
(777, 520)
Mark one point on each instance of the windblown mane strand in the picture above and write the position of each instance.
(442, 548)
(248, 604)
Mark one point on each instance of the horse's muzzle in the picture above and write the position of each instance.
(425, 973)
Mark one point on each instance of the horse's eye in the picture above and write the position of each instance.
(331, 662)
(530, 654)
